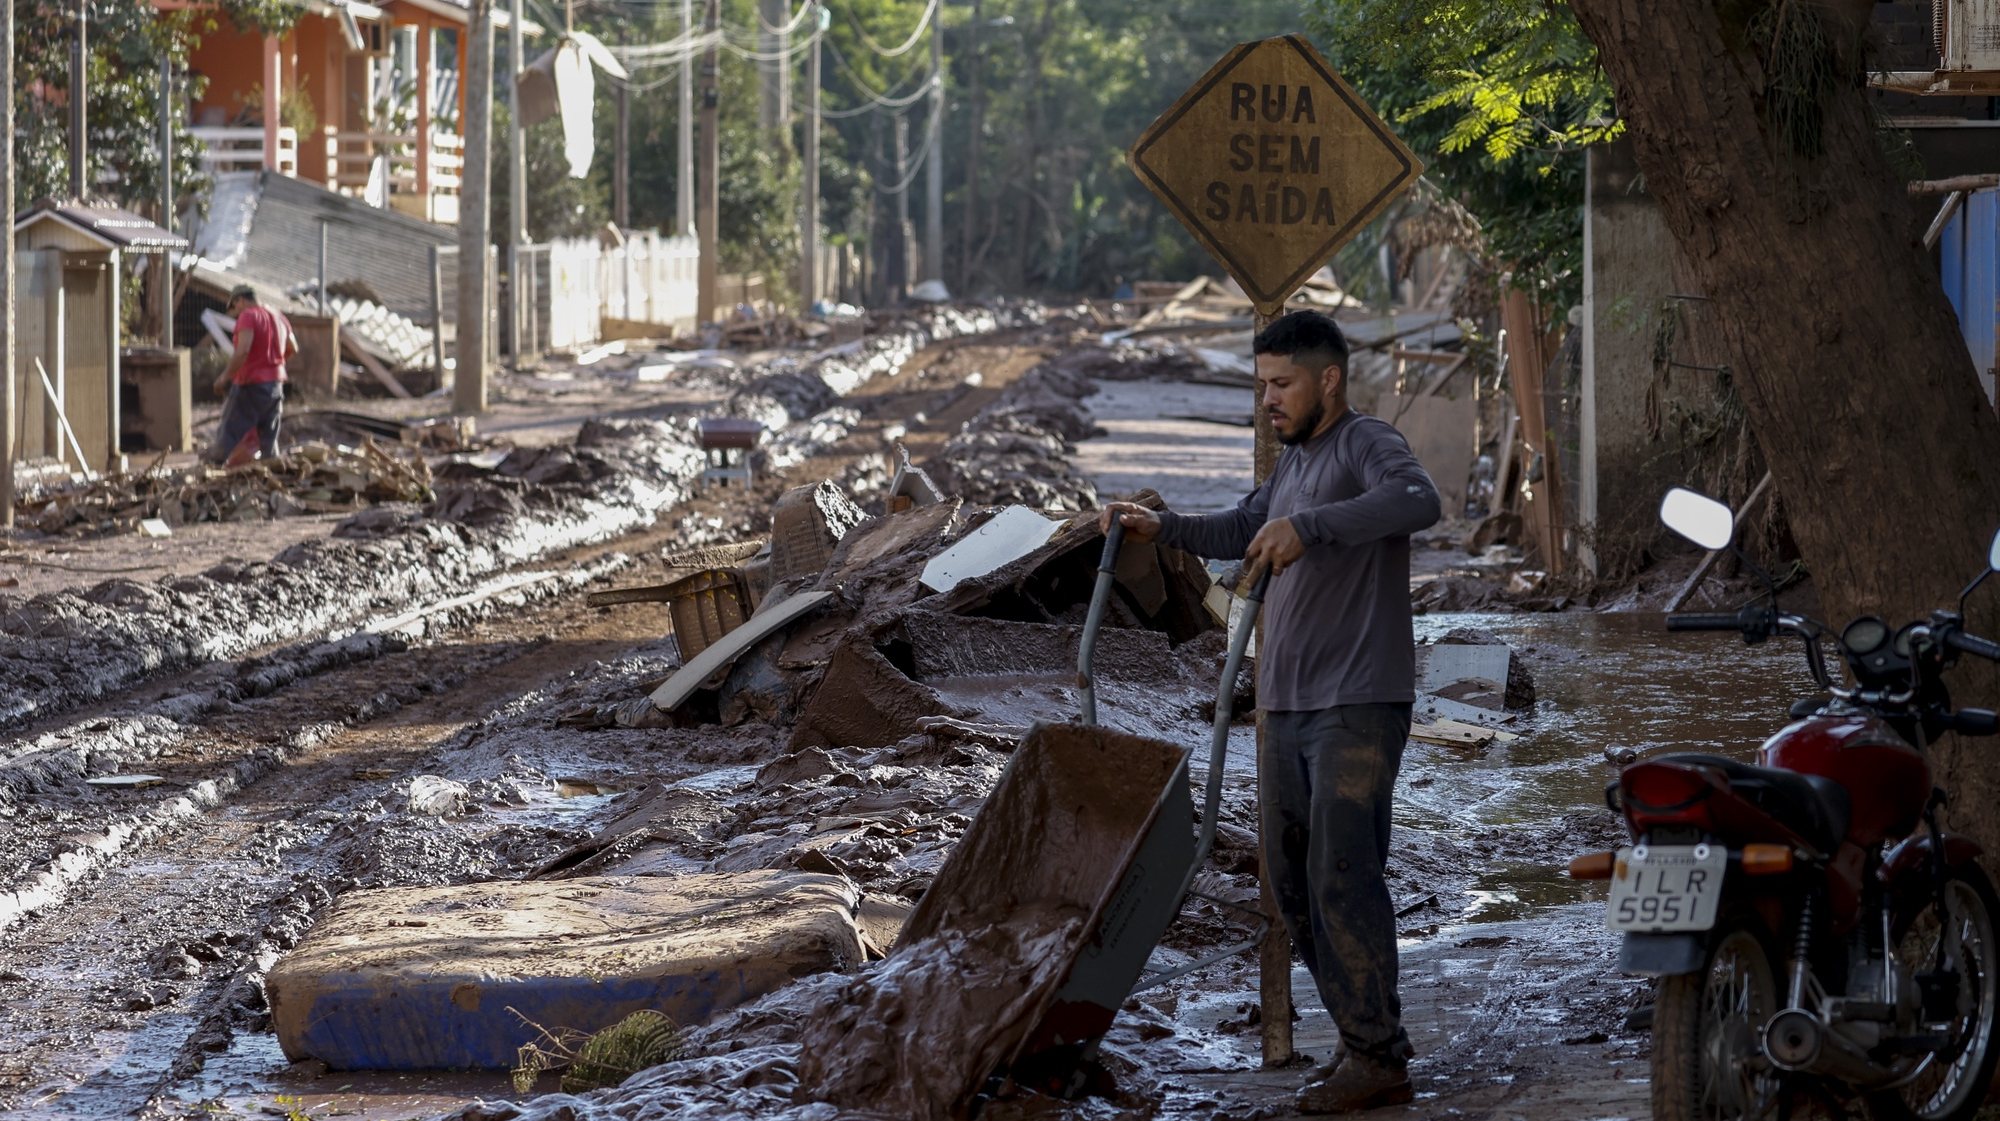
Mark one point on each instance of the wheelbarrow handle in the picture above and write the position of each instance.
(1114, 539)
(1100, 596)
(1262, 585)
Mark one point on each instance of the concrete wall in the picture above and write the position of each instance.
(1652, 413)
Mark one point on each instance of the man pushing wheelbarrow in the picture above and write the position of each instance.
(1336, 682)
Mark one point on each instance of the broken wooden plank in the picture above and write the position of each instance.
(1452, 733)
(374, 367)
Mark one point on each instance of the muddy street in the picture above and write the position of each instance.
(175, 839)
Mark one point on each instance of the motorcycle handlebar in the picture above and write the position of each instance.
(1973, 644)
(1705, 621)
(1975, 722)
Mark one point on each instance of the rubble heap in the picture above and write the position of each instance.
(63, 648)
(1017, 450)
(314, 478)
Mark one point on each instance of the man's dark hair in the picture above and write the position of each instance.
(243, 292)
(1309, 338)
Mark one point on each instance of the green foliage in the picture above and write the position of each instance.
(264, 17)
(127, 41)
(606, 1058)
(758, 191)
(1500, 97)
(1068, 86)
(760, 181)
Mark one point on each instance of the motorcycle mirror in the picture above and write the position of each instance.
(1703, 520)
(1992, 566)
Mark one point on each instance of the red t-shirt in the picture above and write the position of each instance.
(267, 349)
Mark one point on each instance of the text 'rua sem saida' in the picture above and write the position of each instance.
(1261, 153)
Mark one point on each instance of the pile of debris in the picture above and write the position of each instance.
(1018, 449)
(880, 681)
(395, 340)
(315, 478)
(61, 648)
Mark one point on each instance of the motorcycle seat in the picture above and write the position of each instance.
(1817, 808)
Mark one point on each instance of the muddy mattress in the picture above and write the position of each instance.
(446, 978)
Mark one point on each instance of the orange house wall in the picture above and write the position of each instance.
(233, 62)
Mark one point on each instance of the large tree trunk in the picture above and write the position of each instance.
(1848, 358)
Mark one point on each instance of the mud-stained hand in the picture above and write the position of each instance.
(1276, 546)
(222, 385)
(1141, 525)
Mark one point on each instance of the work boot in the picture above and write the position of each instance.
(1325, 1070)
(1358, 1082)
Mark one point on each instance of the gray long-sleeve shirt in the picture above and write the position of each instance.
(1337, 627)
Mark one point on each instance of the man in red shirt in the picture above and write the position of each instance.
(255, 377)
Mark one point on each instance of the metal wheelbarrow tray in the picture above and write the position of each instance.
(1090, 822)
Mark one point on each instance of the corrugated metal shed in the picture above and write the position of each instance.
(1969, 262)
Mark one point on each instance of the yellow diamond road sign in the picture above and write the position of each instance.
(1273, 164)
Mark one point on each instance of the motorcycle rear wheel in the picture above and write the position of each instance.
(1708, 1028)
(1953, 1082)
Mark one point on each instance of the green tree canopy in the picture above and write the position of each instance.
(1500, 97)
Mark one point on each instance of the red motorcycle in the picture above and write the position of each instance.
(1810, 927)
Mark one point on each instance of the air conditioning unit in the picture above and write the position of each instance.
(1968, 34)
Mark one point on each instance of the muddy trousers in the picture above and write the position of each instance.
(1325, 780)
(258, 406)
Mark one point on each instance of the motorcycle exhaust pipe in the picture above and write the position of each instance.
(1798, 1041)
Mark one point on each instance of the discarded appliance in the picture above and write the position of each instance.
(727, 442)
(460, 977)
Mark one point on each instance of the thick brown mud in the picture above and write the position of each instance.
(137, 988)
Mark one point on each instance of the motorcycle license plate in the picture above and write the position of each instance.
(1664, 889)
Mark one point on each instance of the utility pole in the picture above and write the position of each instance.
(517, 182)
(684, 180)
(475, 217)
(711, 159)
(7, 276)
(79, 89)
(809, 293)
(934, 164)
(899, 277)
(621, 158)
(969, 214)
(774, 109)
(166, 198)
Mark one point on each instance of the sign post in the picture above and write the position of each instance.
(1273, 164)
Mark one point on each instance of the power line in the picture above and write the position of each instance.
(861, 83)
(930, 12)
(916, 165)
(785, 55)
(790, 26)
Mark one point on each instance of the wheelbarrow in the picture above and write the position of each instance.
(1095, 823)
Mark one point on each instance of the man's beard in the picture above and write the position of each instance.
(1308, 425)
